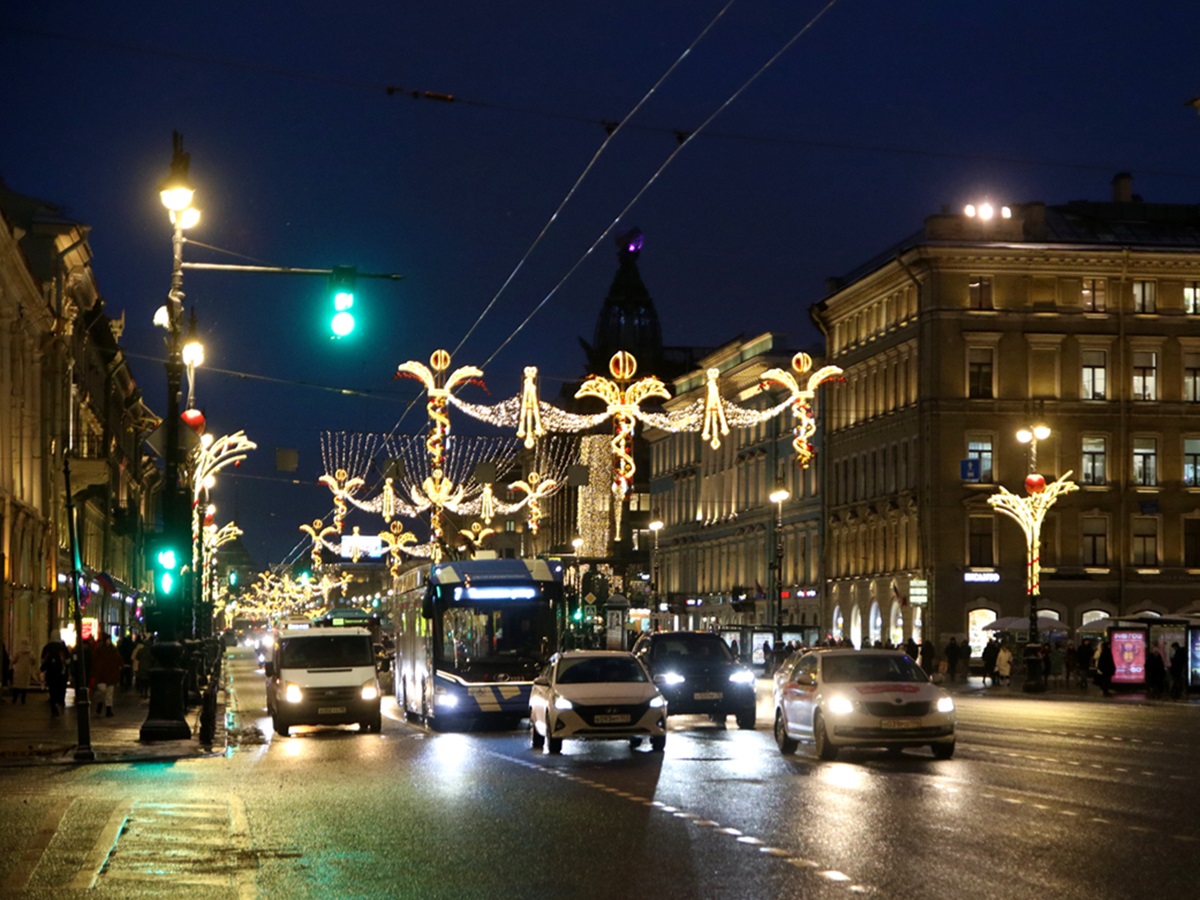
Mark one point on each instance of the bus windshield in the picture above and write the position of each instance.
(473, 633)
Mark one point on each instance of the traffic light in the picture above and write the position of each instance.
(341, 287)
(167, 561)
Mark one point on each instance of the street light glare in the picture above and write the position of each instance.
(193, 354)
(176, 197)
(1024, 435)
(1041, 432)
(780, 494)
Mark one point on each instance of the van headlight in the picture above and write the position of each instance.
(945, 704)
(742, 676)
(369, 690)
(292, 693)
(840, 706)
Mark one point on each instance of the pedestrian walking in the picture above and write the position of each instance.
(1004, 659)
(1156, 673)
(1178, 670)
(143, 661)
(1106, 667)
(1083, 662)
(23, 669)
(54, 675)
(990, 651)
(107, 672)
(1058, 666)
(125, 648)
(951, 653)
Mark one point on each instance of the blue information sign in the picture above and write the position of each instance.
(970, 470)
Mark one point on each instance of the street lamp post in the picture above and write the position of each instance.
(656, 525)
(166, 718)
(1029, 512)
(778, 497)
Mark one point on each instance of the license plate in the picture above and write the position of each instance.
(707, 695)
(899, 723)
(612, 720)
(330, 710)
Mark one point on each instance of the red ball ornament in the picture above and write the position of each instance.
(193, 419)
(1035, 483)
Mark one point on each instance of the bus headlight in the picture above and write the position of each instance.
(292, 693)
(369, 690)
(445, 699)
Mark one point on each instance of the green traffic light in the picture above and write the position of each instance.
(166, 558)
(341, 324)
(342, 288)
(578, 615)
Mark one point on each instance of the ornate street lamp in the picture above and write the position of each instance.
(165, 719)
(1029, 512)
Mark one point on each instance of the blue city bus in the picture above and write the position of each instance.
(471, 636)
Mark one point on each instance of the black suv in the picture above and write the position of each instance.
(697, 673)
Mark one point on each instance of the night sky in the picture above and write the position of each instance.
(877, 115)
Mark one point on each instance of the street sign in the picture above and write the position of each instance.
(971, 470)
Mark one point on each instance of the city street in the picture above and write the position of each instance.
(1045, 796)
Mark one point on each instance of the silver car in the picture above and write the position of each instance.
(861, 698)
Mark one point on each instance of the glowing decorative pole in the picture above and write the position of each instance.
(806, 425)
(623, 400)
(319, 532)
(779, 496)
(437, 389)
(1029, 513)
(342, 486)
(395, 539)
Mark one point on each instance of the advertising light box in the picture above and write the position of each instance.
(1129, 655)
(1193, 646)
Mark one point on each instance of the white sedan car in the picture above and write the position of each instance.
(596, 694)
(861, 698)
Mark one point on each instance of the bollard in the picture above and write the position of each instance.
(208, 716)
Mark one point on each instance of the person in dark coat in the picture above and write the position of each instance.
(54, 675)
(910, 647)
(1083, 662)
(107, 673)
(1156, 673)
(1106, 667)
(951, 653)
(989, 661)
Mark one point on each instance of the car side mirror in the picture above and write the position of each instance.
(269, 669)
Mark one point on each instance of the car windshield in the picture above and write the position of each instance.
(596, 669)
(691, 648)
(843, 669)
(326, 652)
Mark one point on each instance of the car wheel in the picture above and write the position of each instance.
(536, 740)
(634, 743)
(554, 745)
(825, 750)
(746, 719)
(658, 743)
(786, 744)
(281, 727)
(373, 725)
(942, 751)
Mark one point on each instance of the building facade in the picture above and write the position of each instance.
(69, 408)
(727, 557)
(1084, 318)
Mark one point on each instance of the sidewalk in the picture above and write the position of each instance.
(29, 735)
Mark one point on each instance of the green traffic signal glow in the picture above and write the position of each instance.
(578, 616)
(166, 582)
(166, 558)
(341, 324)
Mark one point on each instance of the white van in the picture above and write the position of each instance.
(323, 676)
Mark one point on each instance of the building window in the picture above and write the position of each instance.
(1095, 452)
(981, 541)
(1145, 541)
(1191, 377)
(1145, 461)
(1145, 372)
(1191, 298)
(1144, 297)
(979, 292)
(980, 448)
(979, 373)
(1095, 540)
(1191, 462)
(1191, 543)
(1095, 369)
(1094, 295)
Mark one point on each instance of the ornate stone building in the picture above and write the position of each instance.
(1084, 317)
(66, 395)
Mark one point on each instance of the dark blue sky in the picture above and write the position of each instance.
(877, 116)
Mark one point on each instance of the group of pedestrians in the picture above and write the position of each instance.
(111, 667)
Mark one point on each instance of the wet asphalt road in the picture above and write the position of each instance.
(1045, 797)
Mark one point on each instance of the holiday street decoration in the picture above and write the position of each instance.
(534, 487)
(806, 425)
(319, 533)
(343, 486)
(475, 536)
(210, 457)
(396, 539)
(1028, 513)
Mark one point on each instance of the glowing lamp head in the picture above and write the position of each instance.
(176, 195)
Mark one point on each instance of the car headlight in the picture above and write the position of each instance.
(292, 693)
(840, 706)
(669, 678)
(369, 690)
(657, 701)
(742, 676)
(945, 704)
(561, 702)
